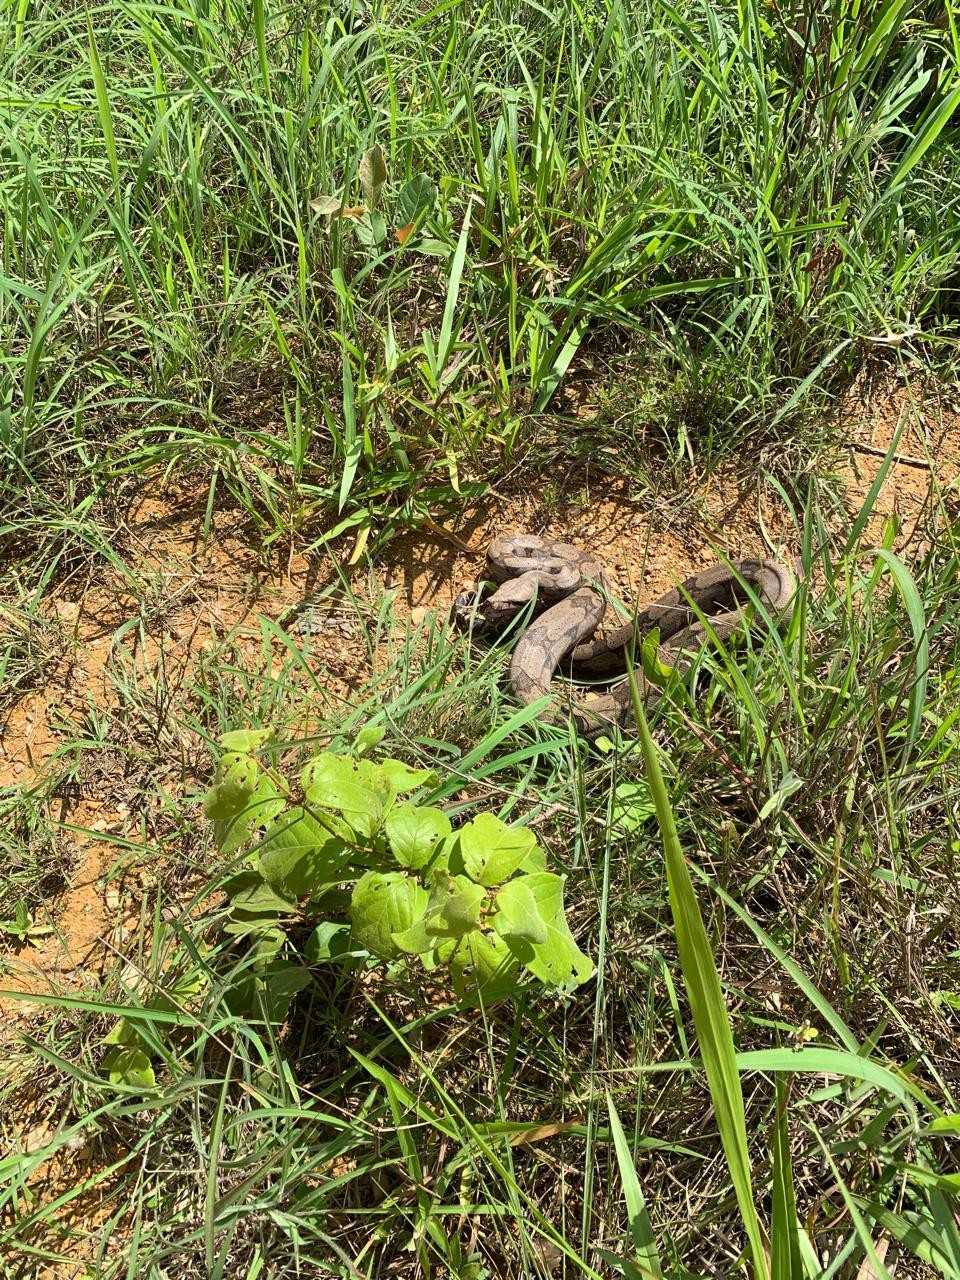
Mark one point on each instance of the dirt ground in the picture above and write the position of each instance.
(195, 593)
(191, 595)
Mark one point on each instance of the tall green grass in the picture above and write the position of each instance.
(725, 206)
(758, 1083)
(728, 202)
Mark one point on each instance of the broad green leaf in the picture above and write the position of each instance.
(373, 174)
(250, 893)
(329, 941)
(519, 913)
(484, 962)
(335, 782)
(271, 993)
(180, 988)
(245, 740)
(234, 783)
(329, 206)
(266, 943)
(368, 738)
(558, 961)
(432, 951)
(377, 779)
(633, 806)
(263, 806)
(129, 1066)
(414, 833)
(945, 1124)
(382, 905)
(124, 1033)
(415, 941)
(403, 778)
(371, 230)
(278, 987)
(492, 851)
(454, 907)
(416, 201)
(300, 856)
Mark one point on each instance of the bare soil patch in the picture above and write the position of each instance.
(192, 592)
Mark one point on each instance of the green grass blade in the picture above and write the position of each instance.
(445, 341)
(785, 1260)
(933, 125)
(705, 994)
(645, 1246)
(910, 596)
(103, 105)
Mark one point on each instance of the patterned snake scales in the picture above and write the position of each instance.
(572, 586)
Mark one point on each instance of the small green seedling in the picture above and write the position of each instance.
(410, 209)
(22, 926)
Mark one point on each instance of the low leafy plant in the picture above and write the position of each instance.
(22, 928)
(413, 205)
(383, 876)
(375, 875)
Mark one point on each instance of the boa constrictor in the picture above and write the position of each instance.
(570, 586)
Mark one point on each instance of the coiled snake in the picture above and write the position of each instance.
(570, 583)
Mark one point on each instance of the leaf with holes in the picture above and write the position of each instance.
(336, 782)
(263, 806)
(484, 962)
(383, 904)
(414, 834)
(234, 783)
(403, 778)
(492, 851)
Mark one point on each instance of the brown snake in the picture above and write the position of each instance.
(571, 584)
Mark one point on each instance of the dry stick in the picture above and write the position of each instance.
(905, 458)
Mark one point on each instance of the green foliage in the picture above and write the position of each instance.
(413, 205)
(22, 927)
(712, 214)
(477, 901)
(129, 1060)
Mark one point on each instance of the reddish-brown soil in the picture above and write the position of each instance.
(194, 592)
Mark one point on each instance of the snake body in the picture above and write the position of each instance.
(570, 583)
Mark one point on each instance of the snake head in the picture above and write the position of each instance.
(488, 612)
(467, 613)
